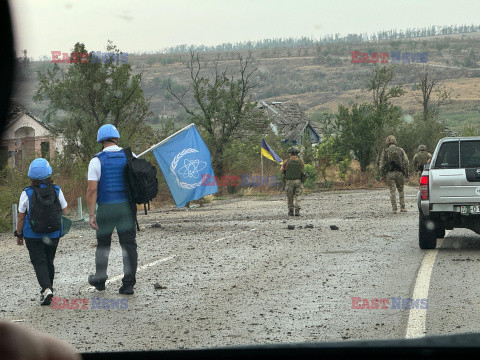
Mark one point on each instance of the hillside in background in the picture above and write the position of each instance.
(319, 76)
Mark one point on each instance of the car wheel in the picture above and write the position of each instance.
(427, 238)
(440, 232)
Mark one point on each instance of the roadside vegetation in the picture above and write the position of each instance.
(355, 105)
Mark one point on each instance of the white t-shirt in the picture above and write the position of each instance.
(24, 202)
(95, 166)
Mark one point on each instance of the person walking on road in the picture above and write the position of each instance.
(394, 169)
(40, 223)
(292, 170)
(421, 158)
(107, 188)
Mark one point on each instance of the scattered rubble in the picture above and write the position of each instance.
(157, 286)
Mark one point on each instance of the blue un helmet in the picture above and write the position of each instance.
(39, 169)
(107, 131)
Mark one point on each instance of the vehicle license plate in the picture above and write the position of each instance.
(470, 209)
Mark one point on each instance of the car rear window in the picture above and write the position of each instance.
(447, 157)
(470, 154)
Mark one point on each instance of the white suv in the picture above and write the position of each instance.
(449, 194)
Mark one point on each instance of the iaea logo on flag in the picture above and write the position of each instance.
(190, 169)
(185, 160)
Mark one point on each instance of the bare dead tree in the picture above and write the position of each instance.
(428, 84)
(223, 106)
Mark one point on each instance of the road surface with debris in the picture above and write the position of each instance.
(233, 273)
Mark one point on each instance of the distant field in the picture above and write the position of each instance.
(458, 120)
(318, 77)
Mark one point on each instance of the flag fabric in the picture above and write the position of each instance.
(185, 162)
(268, 152)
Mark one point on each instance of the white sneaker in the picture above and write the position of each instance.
(46, 297)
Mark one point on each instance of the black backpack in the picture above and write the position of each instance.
(45, 213)
(141, 179)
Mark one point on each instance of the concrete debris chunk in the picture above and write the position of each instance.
(157, 286)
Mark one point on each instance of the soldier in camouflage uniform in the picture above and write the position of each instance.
(421, 158)
(394, 169)
(292, 169)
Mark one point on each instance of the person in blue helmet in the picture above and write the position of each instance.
(107, 188)
(39, 222)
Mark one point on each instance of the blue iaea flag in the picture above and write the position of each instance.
(185, 162)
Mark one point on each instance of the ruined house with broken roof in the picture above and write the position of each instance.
(26, 137)
(288, 120)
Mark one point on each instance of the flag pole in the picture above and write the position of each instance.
(261, 162)
(166, 139)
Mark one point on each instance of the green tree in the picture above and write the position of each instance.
(308, 149)
(387, 116)
(471, 60)
(224, 108)
(413, 133)
(167, 126)
(311, 173)
(90, 94)
(359, 128)
(330, 152)
(23, 65)
(379, 84)
(326, 122)
(242, 156)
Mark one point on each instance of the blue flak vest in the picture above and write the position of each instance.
(111, 187)
(27, 229)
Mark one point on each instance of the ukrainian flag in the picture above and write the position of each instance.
(268, 152)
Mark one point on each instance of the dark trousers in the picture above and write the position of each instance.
(42, 253)
(109, 217)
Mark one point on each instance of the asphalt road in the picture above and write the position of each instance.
(235, 275)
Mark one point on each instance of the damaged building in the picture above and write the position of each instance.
(288, 120)
(26, 137)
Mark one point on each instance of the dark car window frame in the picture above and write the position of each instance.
(468, 165)
(441, 155)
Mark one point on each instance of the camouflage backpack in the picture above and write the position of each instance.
(394, 159)
(422, 158)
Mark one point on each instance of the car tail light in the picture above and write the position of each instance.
(424, 187)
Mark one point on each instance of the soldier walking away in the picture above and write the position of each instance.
(107, 188)
(421, 158)
(394, 169)
(40, 223)
(292, 170)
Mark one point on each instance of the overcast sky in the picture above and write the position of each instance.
(42, 26)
